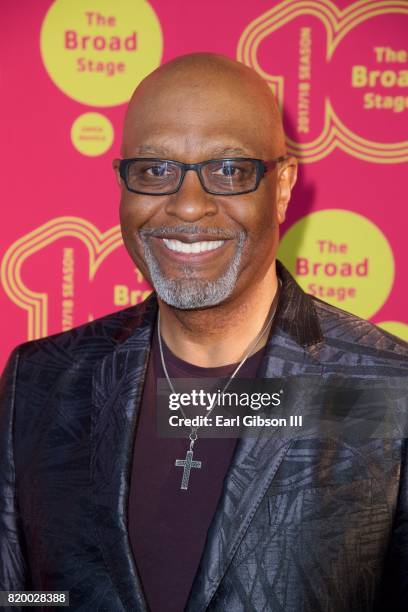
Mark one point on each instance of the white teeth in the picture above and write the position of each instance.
(193, 247)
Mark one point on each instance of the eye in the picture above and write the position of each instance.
(158, 170)
(228, 169)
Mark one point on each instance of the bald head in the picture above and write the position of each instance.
(204, 88)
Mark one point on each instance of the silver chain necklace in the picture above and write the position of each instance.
(188, 463)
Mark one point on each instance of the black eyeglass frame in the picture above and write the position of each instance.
(262, 167)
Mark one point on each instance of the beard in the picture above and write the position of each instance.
(188, 292)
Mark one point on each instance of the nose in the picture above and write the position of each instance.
(191, 202)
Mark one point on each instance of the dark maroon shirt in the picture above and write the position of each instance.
(168, 525)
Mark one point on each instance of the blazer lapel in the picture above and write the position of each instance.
(255, 462)
(117, 390)
(253, 468)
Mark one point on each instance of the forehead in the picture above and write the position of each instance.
(193, 121)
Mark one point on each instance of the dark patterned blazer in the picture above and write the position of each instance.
(305, 525)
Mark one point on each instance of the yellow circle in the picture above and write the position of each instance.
(97, 51)
(342, 258)
(92, 134)
(396, 328)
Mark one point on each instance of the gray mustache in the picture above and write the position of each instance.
(191, 229)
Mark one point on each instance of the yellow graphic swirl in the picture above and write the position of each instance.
(338, 23)
(99, 245)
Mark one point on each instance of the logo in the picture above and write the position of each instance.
(92, 134)
(97, 51)
(77, 287)
(344, 83)
(342, 258)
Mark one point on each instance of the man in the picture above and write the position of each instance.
(92, 500)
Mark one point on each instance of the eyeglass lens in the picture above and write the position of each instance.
(221, 176)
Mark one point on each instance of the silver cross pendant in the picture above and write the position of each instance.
(187, 464)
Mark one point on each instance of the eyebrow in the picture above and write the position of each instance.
(231, 151)
(150, 149)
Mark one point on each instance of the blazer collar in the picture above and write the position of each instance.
(296, 313)
(117, 391)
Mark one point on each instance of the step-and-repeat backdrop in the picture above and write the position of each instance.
(68, 67)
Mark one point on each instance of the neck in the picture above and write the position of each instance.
(222, 334)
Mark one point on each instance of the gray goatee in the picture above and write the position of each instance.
(187, 292)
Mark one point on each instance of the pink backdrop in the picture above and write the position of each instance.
(61, 254)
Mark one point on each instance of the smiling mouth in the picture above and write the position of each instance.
(202, 246)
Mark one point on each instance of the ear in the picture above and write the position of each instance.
(115, 166)
(286, 180)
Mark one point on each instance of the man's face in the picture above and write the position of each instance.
(236, 235)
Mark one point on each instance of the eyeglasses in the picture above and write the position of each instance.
(231, 176)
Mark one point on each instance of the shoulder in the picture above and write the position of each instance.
(88, 342)
(350, 338)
